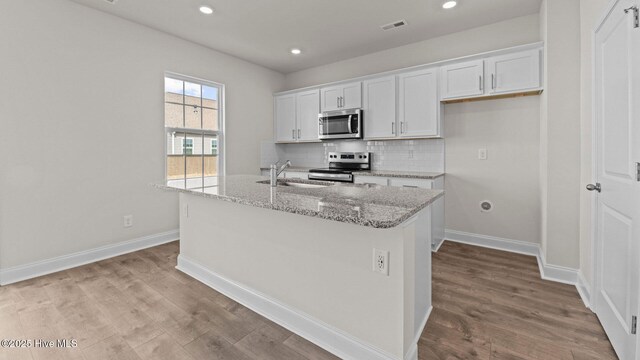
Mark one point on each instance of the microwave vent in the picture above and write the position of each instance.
(393, 25)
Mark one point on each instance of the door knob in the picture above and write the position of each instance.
(595, 187)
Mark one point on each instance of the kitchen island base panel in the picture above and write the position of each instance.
(314, 276)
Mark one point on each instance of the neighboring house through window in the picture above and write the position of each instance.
(194, 130)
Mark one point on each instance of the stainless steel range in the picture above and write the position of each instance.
(342, 165)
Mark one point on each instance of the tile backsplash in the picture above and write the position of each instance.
(408, 155)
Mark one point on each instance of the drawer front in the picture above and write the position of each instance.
(371, 180)
(416, 183)
(296, 175)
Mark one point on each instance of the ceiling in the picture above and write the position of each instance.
(263, 31)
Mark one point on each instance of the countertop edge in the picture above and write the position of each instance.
(343, 219)
(377, 173)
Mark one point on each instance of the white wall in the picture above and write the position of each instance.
(560, 133)
(590, 12)
(508, 128)
(82, 113)
(517, 31)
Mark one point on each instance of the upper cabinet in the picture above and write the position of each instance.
(296, 116)
(308, 108)
(402, 106)
(464, 79)
(408, 103)
(344, 96)
(379, 107)
(514, 72)
(511, 73)
(419, 111)
(285, 118)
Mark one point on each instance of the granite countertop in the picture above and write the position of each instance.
(367, 205)
(381, 173)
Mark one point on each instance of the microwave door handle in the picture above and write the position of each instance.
(349, 124)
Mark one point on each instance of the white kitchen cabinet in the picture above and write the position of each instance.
(462, 80)
(437, 208)
(308, 108)
(513, 72)
(344, 96)
(296, 175)
(374, 180)
(296, 116)
(285, 118)
(379, 106)
(419, 110)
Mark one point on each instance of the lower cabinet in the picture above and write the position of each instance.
(296, 175)
(437, 208)
(375, 180)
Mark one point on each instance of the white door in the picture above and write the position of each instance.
(285, 118)
(514, 72)
(379, 107)
(351, 96)
(308, 103)
(331, 98)
(461, 80)
(617, 112)
(418, 105)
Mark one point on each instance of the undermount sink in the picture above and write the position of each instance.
(304, 185)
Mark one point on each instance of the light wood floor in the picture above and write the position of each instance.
(487, 305)
(490, 304)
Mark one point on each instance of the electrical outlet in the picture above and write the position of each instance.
(128, 221)
(482, 154)
(381, 261)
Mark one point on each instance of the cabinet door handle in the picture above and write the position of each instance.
(410, 186)
(338, 102)
(401, 127)
(493, 82)
(480, 82)
(293, 134)
(298, 133)
(393, 128)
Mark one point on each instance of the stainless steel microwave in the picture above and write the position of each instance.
(340, 124)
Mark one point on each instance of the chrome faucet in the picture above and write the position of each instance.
(274, 172)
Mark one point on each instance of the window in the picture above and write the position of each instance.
(214, 147)
(187, 147)
(193, 127)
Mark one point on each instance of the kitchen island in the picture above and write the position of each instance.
(302, 254)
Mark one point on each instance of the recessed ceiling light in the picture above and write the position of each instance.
(449, 4)
(206, 10)
(296, 51)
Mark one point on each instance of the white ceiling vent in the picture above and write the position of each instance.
(394, 25)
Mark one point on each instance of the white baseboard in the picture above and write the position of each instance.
(493, 242)
(44, 267)
(412, 354)
(435, 250)
(549, 272)
(557, 273)
(584, 289)
(327, 337)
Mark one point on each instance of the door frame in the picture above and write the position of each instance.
(595, 132)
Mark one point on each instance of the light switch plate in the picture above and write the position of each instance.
(482, 154)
